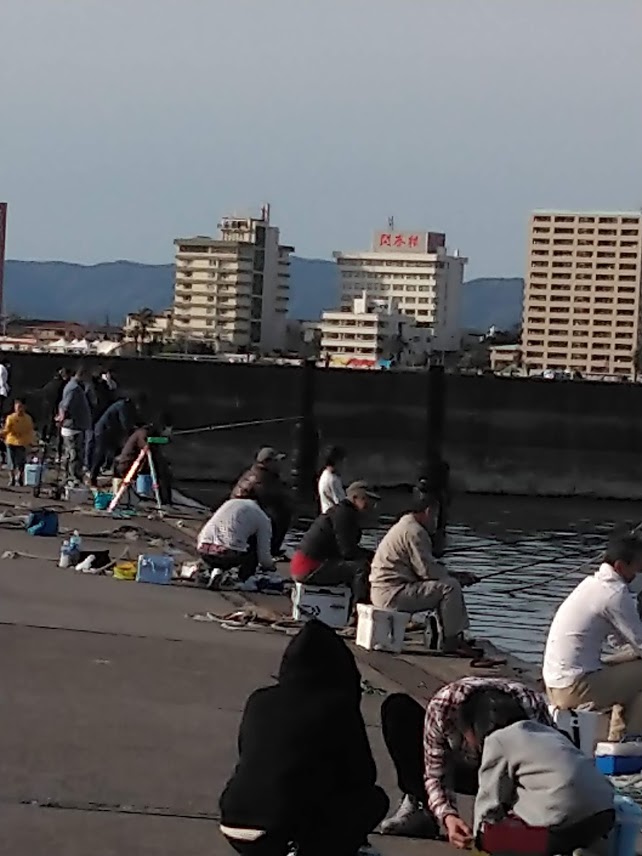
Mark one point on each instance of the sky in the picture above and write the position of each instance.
(127, 123)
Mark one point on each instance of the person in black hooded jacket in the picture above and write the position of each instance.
(305, 774)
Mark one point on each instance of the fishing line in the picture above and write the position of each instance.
(225, 426)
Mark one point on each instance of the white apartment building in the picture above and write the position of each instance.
(233, 290)
(370, 332)
(415, 270)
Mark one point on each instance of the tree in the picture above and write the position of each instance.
(143, 320)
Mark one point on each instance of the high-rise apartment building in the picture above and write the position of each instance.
(582, 292)
(415, 270)
(233, 290)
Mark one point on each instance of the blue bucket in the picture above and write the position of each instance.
(628, 821)
(145, 485)
(102, 500)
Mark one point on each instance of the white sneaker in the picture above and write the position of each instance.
(411, 820)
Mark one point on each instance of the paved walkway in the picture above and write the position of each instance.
(119, 714)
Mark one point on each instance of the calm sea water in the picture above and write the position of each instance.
(542, 547)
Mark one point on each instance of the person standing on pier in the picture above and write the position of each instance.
(600, 606)
(18, 435)
(405, 576)
(75, 420)
(330, 487)
(434, 761)
(263, 483)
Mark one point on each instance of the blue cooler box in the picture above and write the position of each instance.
(619, 759)
(155, 569)
(33, 474)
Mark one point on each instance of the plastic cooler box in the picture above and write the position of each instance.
(381, 629)
(155, 569)
(619, 759)
(330, 604)
(33, 474)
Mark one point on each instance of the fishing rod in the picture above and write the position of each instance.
(585, 566)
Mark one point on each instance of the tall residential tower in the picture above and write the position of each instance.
(582, 292)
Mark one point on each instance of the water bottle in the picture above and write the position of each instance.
(65, 552)
(75, 542)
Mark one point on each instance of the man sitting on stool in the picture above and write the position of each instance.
(237, 535)
(406, 577)
(600, 605)
(330, 553)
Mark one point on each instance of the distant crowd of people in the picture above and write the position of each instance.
(87, 422)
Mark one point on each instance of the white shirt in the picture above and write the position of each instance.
(331, 490)
(601, 604)
(4, 381)
(233, 524)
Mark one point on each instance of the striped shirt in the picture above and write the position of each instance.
(444, 743)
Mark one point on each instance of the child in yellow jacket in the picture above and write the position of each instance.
(18, 434)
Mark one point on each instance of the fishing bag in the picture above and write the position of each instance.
(43, 522)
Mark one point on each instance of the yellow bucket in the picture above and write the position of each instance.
(124, 571)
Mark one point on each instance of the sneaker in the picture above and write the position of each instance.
(269, 581)
(411, 820)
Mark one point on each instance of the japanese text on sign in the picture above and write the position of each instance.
(404, 241)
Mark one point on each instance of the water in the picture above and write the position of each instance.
(541, 546)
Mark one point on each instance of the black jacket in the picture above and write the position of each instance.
(302, 742)
(334, 535)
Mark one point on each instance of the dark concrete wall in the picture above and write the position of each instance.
(502, 434)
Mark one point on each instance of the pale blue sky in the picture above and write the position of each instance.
(125, 123)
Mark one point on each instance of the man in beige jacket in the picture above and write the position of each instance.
(405, 576)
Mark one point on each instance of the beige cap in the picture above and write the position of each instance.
(267, 453)
(361, 490)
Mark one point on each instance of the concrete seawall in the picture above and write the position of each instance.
(503, 435)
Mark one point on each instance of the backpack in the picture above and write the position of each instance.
(44, 522)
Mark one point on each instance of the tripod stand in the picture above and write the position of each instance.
(145, 454)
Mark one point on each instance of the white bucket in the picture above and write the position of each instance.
(381, 629)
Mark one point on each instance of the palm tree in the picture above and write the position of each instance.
(143, 320)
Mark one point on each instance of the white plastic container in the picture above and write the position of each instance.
(33, 474)
(381, 629)
(77, 495)
(330, 604)
(619, 759)
(582, 727)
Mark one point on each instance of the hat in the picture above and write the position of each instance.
(361, 490)
(267, 453)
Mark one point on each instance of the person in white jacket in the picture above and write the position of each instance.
(601, 606)
(330, 487)
(532, 771)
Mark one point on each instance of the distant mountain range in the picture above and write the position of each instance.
(94, 293)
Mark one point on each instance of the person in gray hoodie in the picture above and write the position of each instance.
(75, 420)
(532, 771)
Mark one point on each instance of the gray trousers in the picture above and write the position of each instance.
(444, 595)
(73, 453)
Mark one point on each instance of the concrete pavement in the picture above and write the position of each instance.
(119, 716)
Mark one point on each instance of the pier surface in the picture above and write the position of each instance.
(119, 717)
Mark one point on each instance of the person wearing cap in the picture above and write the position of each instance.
(405, 576)
(330, 552)
(263, 483)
